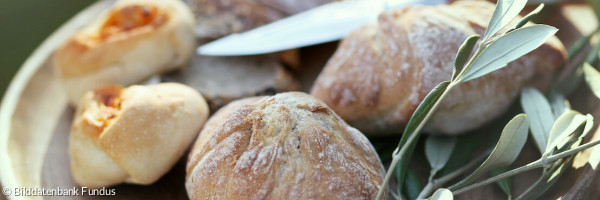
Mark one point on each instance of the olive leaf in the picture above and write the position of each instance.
(504, 184)
(442, 194)
(507, 48)
(465, 145)
(507, 149)
(595, 156)
(566, 124)
(559, 105)
(540, 116)
(592, 78)
(418, 117)
(548, 179)
(595, 4)
(578, 45)
(438, 150)
(412, 185)
(463, 54)
(424, 107)
(505, 12)
(529, 16)
(593, 54)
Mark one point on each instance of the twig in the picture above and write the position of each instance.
(436, 183)
(536, 164)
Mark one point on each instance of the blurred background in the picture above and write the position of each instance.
(24, 24)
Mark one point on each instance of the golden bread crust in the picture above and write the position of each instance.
(382, 71)
(288, 146)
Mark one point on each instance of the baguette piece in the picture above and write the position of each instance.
(133, 134)
(133, 41)
(288, 146)
(381, 72)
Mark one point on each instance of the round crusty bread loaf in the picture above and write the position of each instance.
(381, 72)
(288, 146)
(133, 41)
(133, 134)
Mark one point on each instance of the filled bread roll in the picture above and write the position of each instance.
(288, 146)
(133, 134)
(224, 79)
(131, 42)
(381, 72)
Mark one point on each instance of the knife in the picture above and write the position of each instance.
(328, 22)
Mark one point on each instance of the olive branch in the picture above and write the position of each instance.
(557, 130)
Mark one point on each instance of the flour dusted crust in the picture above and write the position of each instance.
(381, 72)
(131, 42)
(288, 146)
(133, 134)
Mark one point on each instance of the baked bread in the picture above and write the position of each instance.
(381, 72)
(131, 42)
(217, 18)
(133, 134)
(224, 79)
(288, 146)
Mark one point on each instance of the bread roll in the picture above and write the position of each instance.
(133, 41)
(288, 146)
(133, 134)
(381, 72)
(224, 79)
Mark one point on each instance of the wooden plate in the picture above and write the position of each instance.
(35, 121)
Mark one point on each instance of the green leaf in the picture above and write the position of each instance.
(506, 151)
(589, 124)
(412, 185)
(595, 4)
(571, 82)
(578, 45)
(574, 138)
(504, 184)
(418, 116)
(592, 56)
(559, 105)
(463, 150)
(438, 150)
(442, 194)
(542, 186)
(402, 166)
(505, 12)
(566, 124)
(539, 113)
(595, 156)
(463, 54)
(424, 107)
(530, 15)
(508, 48)
(592, 78)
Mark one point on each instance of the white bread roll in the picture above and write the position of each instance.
(133, 134)
(133, 41)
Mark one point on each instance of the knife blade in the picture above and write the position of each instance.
(328, 22)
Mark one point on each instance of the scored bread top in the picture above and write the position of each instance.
(288, 146)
